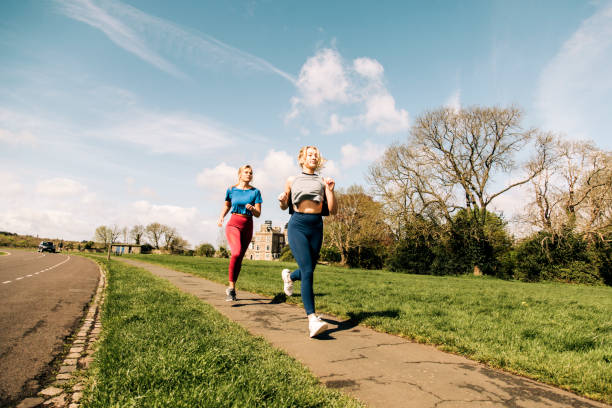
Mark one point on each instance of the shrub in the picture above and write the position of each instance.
(206, 250)
(410, 256)
(222, 252)
(329, 254)
(286, 255)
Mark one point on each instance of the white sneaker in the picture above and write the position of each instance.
(316, 326)
(287, 282)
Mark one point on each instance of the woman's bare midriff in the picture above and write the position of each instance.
(308, 207)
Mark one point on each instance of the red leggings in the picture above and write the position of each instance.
(239, 231)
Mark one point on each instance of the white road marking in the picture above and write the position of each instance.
(36, 273)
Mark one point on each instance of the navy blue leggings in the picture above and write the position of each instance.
(305, 233)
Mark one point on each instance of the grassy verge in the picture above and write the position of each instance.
(163, 348)
(556, 333)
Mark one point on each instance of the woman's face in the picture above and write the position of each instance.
(246, 175)
(311, 159)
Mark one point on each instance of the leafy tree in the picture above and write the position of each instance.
(205, 249)
(359, 225)
(448, 164)
(222, 252)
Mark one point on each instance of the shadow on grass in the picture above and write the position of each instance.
(354, 319)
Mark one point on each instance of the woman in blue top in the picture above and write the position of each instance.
(244, 201)
(308, 197)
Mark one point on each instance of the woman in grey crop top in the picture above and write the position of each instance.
(309, 197)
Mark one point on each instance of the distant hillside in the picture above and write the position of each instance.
(10, 239)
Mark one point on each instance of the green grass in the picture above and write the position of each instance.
(557, 333)
(163, 348)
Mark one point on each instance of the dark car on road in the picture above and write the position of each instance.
(46, 246)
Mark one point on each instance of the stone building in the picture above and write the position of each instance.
(267, 243)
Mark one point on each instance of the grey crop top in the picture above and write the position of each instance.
(308, 187)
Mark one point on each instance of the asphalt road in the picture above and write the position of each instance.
(42, 299)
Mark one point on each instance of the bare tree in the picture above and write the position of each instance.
(358, 222)
(451, 159)
(107, 235)
(168, 236)
(574, 192)
(154, 232)
(136, 233)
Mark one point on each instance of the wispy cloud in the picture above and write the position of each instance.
(347, 95)
(116, 30)
(175, 133)
(148, 37)
(575, 89)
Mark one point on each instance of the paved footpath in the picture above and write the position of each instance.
(379, 369)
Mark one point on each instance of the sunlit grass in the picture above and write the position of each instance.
(163, 348)
(557, 333)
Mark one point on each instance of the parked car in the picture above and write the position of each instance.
(46, 246)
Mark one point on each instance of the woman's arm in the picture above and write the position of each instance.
(332, 205)
(283, 198)
(224, 211)
(254, 209)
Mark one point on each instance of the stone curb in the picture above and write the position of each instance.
(61, 393)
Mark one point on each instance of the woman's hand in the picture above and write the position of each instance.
(249, 207)
(220, 221)
(329, 183)
(282, 197)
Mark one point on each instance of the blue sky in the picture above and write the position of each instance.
(138, 111)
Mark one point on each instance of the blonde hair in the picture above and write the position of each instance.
(302, 156)
(242, 168)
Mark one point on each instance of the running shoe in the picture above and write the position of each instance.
(287, 282)
(316, 326)
(231, 295)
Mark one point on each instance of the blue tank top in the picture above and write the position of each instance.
(240, 198)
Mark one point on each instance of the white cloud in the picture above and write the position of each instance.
(134, 188)
(18, 128)
(337, 124)
(119, 32)
(269, 174)
(60, 187)
(382, 114)
(23, 137)
(147, 36)
(575, 89)
(272, 173)
(369, 68)
(330, 169)
(323, 79)
(172, 133)
(217, 179)
(331, 88)
(173, 215)
(454, 101)
(360, 155)
(10, 185)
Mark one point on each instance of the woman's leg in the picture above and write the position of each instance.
(233, 233)
(246, 233)
(300, 235)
